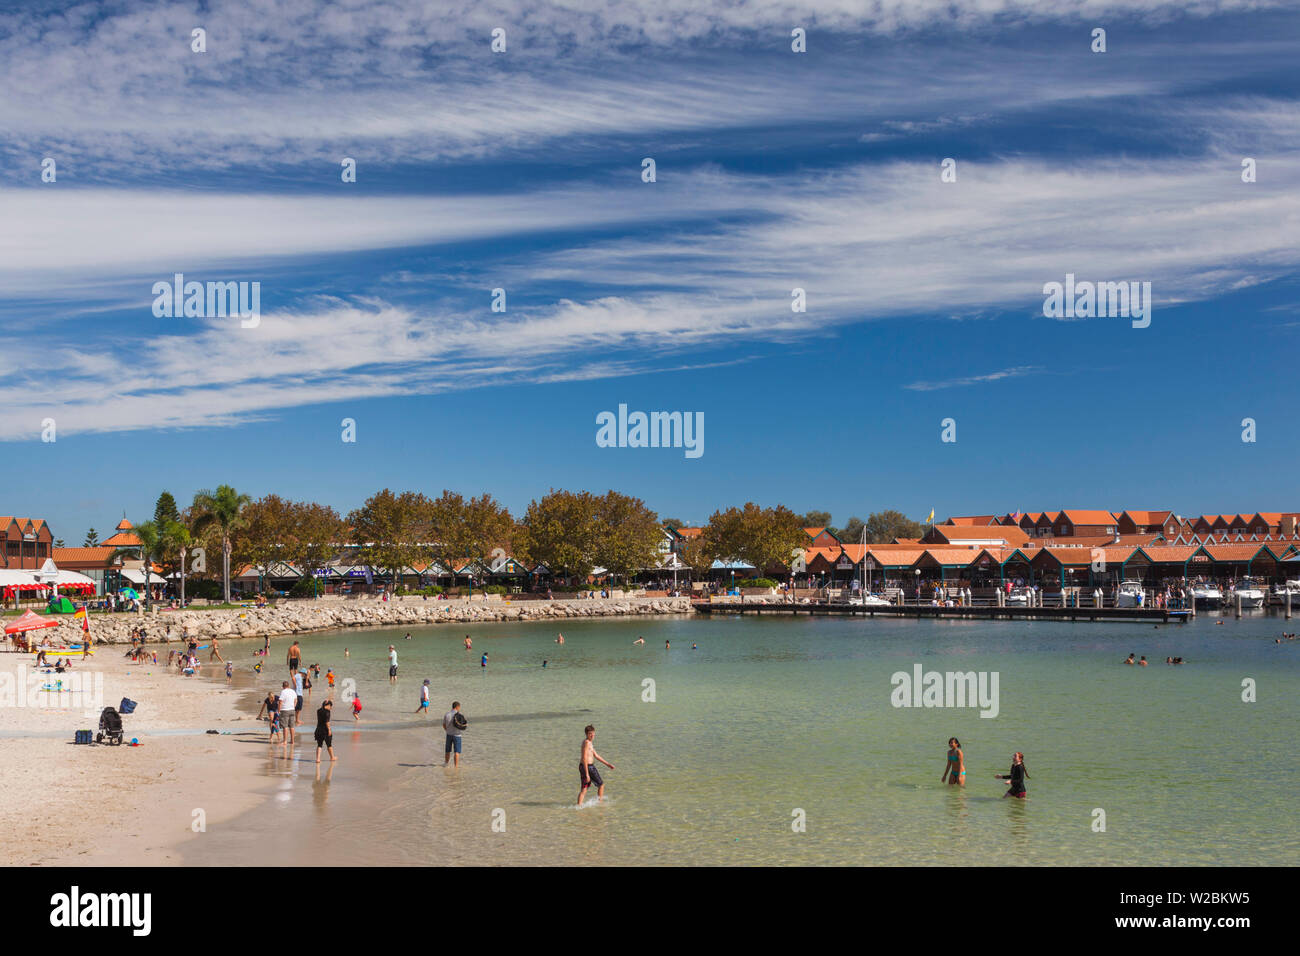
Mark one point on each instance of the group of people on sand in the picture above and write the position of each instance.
(954, 771)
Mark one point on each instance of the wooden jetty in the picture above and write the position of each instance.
(980, 612)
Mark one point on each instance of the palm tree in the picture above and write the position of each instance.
(150, 547)
(221, 509)
(179, 539)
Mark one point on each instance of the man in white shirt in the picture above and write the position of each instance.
(392, 664)
(288, 710)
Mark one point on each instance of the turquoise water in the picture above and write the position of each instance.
(772, 715)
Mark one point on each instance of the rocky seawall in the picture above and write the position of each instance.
(302, 617)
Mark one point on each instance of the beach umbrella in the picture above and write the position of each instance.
(31, 621)
(131, 593)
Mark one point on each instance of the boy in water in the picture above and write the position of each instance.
(424, 699)
(587, 768)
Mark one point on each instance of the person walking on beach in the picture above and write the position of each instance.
(955, 767)
(329, 677)
(424, 699)
(292, 657)
(324, 735)
(392, 664)
(356, 708)
(289, 702)
(587, 768)
(453, 724)
(215, 652)
(1016, 777)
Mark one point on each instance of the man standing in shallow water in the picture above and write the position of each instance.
(587, 768)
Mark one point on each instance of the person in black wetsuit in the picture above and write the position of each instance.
(324, 733)
(1017, 777)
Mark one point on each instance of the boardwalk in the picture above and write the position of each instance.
(925, 610)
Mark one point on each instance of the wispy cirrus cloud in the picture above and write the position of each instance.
(933, 386)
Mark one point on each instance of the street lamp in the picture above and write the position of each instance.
(917, 572)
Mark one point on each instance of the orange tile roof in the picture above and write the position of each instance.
(689, 532)
(1233, 552)
(1012, 534)
(124, 525)
(98, 555)
(1087, 517)
(123, 540)
(1146, 517)
(984, 520)
(952, 556)
(814, 532)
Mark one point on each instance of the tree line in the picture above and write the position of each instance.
(570, 532)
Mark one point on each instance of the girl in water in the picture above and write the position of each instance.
(955, 770)
(1017, 777)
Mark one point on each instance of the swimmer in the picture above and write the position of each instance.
(1143, 662)
(1017, 776)
(560, 639)
(543, 663)
(694, 646)
(468, 643)
(667, 645)
(1130, 659)
(483, 663)
(954, 771)
(408, 635)
(639, 640)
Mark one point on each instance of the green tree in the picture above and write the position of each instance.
(266, 529)
(92, 539)
(852, 532)
(814, 519)
(559, 530)
(149, 548)
(626, 535)
(392, 530)
(178, 541)
(220, 511)
(762, 537)
(884, 526)
(317, 533)
(165, 511)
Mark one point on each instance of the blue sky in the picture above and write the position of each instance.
(775, 170)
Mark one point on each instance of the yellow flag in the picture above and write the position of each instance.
(930, 520)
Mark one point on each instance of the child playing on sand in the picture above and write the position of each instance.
(356, 708)
(329, 676)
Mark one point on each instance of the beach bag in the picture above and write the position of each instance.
(84, 737)
(127, 706)
(459, 722)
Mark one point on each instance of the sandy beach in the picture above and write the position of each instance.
(61, 803)
(66, 804)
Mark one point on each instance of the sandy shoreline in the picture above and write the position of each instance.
(64, 804)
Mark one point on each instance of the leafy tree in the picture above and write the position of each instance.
(92, 539)
(885, 526)
(178, 540)
(627, 534)
(559, 530)
(393, 530)
(673, 523)
(220, 511)
(266, 528)
(317, 531)
(852, 532)
(761, 537)
(814, 519)
(149, 549)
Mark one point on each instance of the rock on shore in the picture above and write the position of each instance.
(299, 617)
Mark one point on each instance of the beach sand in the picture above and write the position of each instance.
(64, 804)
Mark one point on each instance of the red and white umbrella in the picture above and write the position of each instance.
(30, 621)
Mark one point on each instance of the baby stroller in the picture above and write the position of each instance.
(110, 726)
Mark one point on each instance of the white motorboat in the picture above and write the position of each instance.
(869, 600)
(1280, 591)
(1019, 597)
(1131, 594)
(1251, 594)
(1207, 595)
